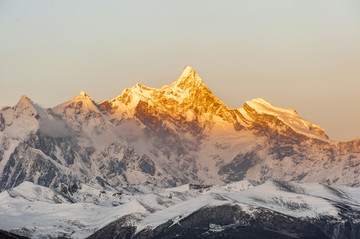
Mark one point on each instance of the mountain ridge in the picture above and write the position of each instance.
(187, 78)
(179, 133)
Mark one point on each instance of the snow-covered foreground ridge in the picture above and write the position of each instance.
(173, 135)
(77, 211)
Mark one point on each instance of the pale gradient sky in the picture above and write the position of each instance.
(301, 54)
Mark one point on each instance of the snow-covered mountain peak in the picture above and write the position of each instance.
(25, 106)
(188, 79)
(126, 102)
(258, 109)
(84, 95)
(82, 102)
(187, 72)
(24, 101)
(264, 107)
(23, 118)
(186, 98)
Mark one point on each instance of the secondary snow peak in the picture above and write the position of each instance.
(24, 100)
(80, 103)
(25, 104)
(259, 107)
(83, 94)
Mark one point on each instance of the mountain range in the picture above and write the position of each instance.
(173, 135)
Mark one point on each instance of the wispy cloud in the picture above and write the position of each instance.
(54, 128)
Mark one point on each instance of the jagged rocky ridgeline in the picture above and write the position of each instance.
(179, 133)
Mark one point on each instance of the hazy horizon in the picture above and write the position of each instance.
(301, 55)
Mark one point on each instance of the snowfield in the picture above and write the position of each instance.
(77, 211)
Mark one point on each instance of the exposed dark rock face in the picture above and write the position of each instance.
(9, 235)
(119, 229)
(2, 122)
(237, 168)
(69, 189)
(346, 226)
(147, 115)
(199, 186)
(25, 164)
(336, 228)
(147, 165)
(50, 145)
(227, 221)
